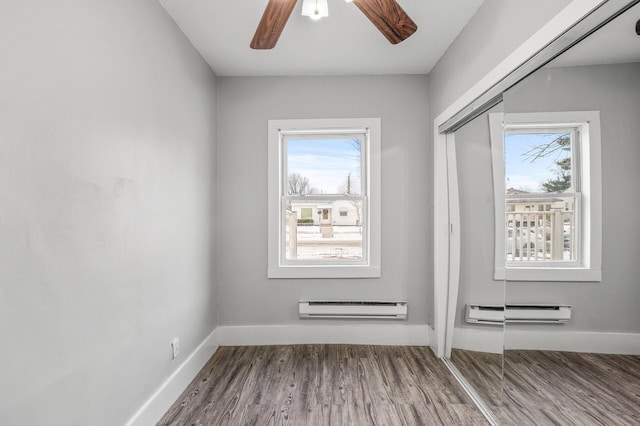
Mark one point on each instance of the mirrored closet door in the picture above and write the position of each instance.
(546, 183)
(572, 155)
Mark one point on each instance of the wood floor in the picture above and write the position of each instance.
(483, 371)
(323, 385)
(555, 388)
(569, 388)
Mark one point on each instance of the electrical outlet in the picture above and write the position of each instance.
(175, 348)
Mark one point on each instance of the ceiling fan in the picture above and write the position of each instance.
(387, 15)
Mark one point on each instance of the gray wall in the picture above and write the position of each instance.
(246, 297)
(477, 228)
(496, 30)
(614, 90)
(107, 127)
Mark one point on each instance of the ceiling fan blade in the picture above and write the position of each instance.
(390, 19)
(274, 18)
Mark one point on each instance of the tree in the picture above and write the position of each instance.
(350, 187)
(299, 185)
(355, 143)
(562, 182)
(557, 147)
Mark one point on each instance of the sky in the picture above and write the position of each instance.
(325, 162)
(520, 172)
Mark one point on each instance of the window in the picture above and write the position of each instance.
(306, 213)
(324, 204)
(546, 169)
(541, 165)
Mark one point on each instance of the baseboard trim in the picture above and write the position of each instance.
(162, 399)
(490, 339)
(356, 334)
(486, 338)
(573, 341)
(432, 338)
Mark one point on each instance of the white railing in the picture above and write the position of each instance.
(538, 236)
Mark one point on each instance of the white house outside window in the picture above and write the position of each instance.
(546, 181)
(324, 204)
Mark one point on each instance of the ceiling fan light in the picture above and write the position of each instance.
(315, 9)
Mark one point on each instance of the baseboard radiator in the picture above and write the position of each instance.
(354, 309)
(517, 313)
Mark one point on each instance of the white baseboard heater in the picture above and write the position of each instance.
(355, 309)
(517, 313)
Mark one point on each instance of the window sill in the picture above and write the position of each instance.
(548, 274)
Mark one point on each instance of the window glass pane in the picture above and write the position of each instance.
(324, 166)
(541, 230)
(328, 235)
(537, 162)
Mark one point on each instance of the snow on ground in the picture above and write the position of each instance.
(329, 252)
(346, 243)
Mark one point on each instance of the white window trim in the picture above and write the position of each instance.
(276, 267)
(590, 261)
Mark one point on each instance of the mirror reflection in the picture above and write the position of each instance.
(547, 192)
(578, 361)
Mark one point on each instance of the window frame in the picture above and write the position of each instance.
(587, 193)
(574, 191)
(278, 266)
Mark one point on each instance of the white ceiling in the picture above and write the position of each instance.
(344, 43)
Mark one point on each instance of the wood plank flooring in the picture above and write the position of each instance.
(323, 385)
(483, 371)
(555, 388)
(569, 388)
